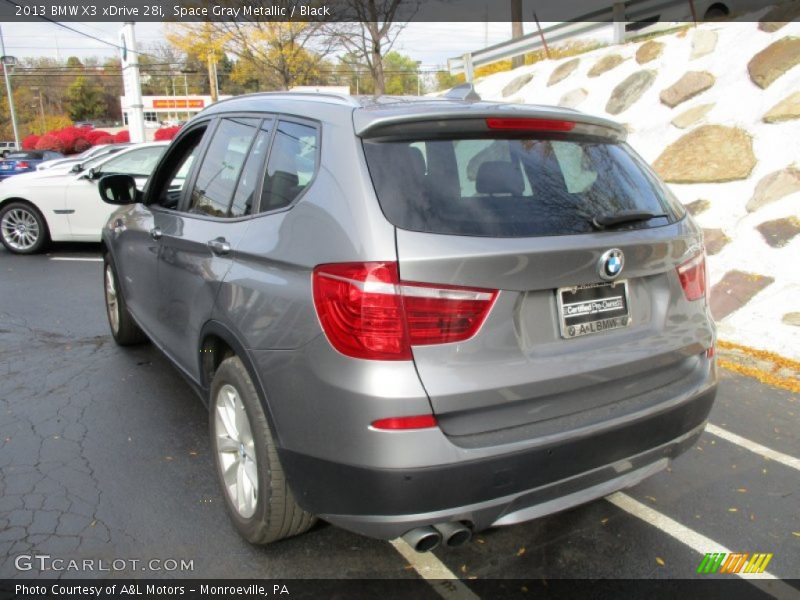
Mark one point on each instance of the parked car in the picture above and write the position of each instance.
(7, 148)
(71, 161)
(25, 161)
(39, 207)
(417, 318)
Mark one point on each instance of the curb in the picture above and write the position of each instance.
(768, 367)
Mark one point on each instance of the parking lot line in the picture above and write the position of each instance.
(442, 579)
(76, 258)
(699, 543)
(769, 453)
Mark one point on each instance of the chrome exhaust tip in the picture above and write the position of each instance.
(423, 539)
(454, 533)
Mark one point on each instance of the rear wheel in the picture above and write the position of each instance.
(257, 496)
(22, 228)
(123, 328)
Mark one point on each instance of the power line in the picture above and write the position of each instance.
(83, 33)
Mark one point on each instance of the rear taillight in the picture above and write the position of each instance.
(23, 164)
(523, 124)
(692, 274)
(367, 312)
(400, 423)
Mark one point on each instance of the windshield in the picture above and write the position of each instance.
(512, 187)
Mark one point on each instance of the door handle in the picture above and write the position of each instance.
(219, 246)
(155, 233)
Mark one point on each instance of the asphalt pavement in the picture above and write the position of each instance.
(104, 455)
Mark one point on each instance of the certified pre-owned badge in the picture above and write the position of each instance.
(610, 264)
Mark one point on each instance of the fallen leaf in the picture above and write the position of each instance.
(524, 588)
(463, 568)
(733, 510)
(408, 568)
(472, 577)
(481, 541)
(752, 517)
(93, 523)
(742, 490)
(604, 521)
(167, 458)
(796, 533)
(521, 551)
(651, 498)
(660, 560)
(192, 453)
(764, 471)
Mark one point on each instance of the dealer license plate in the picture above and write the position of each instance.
(594, 308)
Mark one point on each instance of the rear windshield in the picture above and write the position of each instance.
(28, 155)
(513, 187)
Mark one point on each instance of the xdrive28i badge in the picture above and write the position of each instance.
(610, 264)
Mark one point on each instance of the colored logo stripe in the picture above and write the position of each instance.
(736, 562)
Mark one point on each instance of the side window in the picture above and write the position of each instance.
(251, 173)
(222, 165)
(292, 163)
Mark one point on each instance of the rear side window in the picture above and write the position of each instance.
(292, 164)
(511, 187)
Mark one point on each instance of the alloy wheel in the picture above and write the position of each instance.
(236, 451)
(20, 229)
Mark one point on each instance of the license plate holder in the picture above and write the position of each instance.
(593, 308)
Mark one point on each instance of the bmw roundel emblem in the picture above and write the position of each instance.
(610, 264)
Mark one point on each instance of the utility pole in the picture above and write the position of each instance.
(38, 91)
(133, 84)
(9, 61)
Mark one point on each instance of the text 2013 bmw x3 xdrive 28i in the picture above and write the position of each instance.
(416, 317)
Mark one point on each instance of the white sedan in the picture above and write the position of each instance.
(36, 208)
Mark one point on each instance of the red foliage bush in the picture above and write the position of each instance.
(122, 137)
(94, 134)
(104, 139)
(68, 136)
(50, 142)
(29, 143)
(81, 145)
(166, 133)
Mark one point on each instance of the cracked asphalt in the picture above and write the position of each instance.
(104, 455)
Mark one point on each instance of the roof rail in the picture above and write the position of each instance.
(344, 98)
(465, 91)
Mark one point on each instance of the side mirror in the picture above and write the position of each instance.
(119, 190)
(76, 168)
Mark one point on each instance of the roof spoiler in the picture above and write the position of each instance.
(465, 92)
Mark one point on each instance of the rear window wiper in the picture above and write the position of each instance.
(612, 219)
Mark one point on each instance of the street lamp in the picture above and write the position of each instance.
(9, 62)
(419, 87)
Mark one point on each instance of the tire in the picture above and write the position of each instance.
(266, 512)
(124, 329)
(23, 229)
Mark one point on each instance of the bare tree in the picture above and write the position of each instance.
(373, 35)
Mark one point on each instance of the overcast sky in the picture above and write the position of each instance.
(430, 43)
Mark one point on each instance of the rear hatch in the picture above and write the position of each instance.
(594, 272)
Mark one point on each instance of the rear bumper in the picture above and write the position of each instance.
(501, 489)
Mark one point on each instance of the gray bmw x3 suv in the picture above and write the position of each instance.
(416, 317)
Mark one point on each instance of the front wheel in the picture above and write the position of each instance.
(123, 328)
(257, 496)
(22, 228)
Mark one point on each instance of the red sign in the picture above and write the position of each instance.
(176, 103)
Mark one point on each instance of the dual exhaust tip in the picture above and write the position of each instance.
(425, 539)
